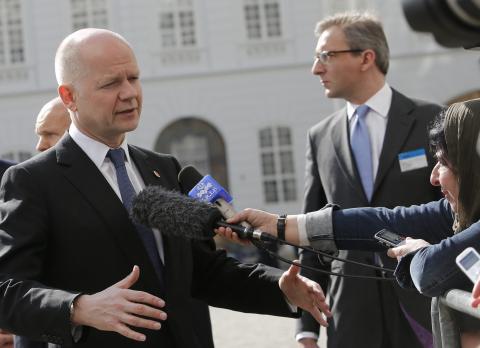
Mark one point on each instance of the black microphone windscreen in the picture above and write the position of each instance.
(175, 214)
(188, 177)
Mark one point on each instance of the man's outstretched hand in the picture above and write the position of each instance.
(304, 293)
(120, 309)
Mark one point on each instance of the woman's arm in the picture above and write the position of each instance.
(433, 269)
(353, 229)
(331, 229)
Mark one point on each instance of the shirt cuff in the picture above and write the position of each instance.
(302, 230)
(306, 334)
(319, 229)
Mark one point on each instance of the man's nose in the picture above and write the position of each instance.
(317, 67)
(128, 90)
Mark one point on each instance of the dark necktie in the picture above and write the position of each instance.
(362, 151)
(117, 156)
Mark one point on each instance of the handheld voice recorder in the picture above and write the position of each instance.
(389, 238)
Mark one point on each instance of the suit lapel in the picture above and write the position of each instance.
(341, 144)
(82, 173)
(153, 175)
(400, 122)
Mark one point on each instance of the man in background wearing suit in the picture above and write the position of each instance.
(52, 122)
(74, 269)
(378, 157)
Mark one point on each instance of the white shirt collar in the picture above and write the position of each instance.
(379, 102)
(94, 149)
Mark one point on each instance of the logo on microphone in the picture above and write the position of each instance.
(209, 190)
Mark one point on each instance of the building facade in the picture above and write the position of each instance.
(227, 84)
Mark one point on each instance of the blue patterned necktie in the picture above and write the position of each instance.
(117, 156)
(362, 151)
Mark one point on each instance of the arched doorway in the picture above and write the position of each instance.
(196, 142)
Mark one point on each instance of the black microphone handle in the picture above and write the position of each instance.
(245, 232)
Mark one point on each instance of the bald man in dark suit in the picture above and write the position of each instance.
(70, 256)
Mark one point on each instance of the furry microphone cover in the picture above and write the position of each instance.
(175, 214)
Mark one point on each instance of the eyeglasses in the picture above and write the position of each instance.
(324, 56)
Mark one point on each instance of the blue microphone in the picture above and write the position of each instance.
(208, 190)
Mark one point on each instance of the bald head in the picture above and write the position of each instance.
(69, 59)
(52, 122)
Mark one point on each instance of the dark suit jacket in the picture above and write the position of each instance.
(366, 312)
(63, 227)
(200, 312)
(4, 166)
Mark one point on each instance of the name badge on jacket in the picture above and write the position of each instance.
(412, 160)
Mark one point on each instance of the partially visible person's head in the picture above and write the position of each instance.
(453, 139)
(361, 37)
(98, 79)
(52, 122)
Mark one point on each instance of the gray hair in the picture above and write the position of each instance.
(362, 31)
(68, 62)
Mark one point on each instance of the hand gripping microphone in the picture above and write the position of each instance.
(178, 215)
(207, 189)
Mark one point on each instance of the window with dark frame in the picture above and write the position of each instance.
(177, 24)
(277, 163)
(12, 43)
(89, 13)
(262, 19)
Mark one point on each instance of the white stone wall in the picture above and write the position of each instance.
(237, 92)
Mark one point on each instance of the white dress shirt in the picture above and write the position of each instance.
(97, 152)
(376, 120)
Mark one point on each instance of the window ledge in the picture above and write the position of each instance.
(265, 47)
(180, 56)
(14, 73)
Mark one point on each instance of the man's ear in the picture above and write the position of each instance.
(369, 58)
(66, 94)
